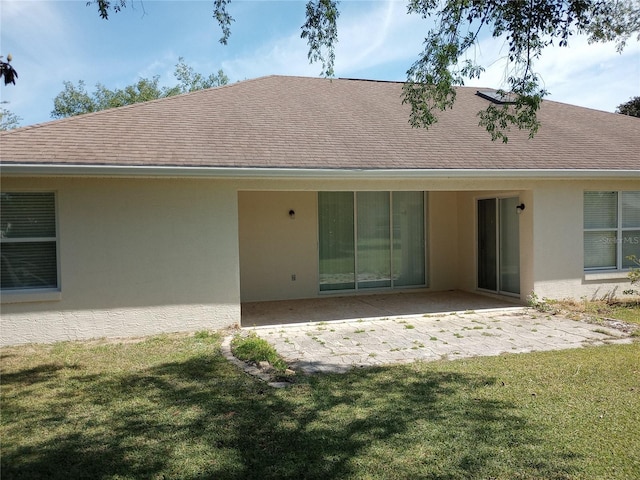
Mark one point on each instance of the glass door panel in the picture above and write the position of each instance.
(408, 239)
(336, 241)
(373, 244)
(487, 245)
(509, 261)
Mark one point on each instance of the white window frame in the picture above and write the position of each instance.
(619, 232)
(36, 294)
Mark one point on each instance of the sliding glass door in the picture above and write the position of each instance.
(371, 240)
(498, 245)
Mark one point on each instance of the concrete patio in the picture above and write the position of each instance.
(360, 307)
(342, 333)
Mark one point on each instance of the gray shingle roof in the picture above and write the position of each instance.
(310, 123)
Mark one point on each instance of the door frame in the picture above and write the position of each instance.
(499, 290)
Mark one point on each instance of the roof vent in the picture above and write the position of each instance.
(495, 97)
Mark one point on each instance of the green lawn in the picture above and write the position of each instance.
(626, 313)
(172, 407)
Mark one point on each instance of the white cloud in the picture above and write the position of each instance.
(162, 66)
(370, 34)
(385, 36)
(590, 75)
(26, 23)
(284, 56)
(363, 37)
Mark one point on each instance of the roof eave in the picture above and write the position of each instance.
(66, 170)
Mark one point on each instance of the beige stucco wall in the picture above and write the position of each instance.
(527, 234)
(137, 257)
(443, 239)
(558, 250)
(275, 248)
(466, 219)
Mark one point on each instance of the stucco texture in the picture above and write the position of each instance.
(137, 257)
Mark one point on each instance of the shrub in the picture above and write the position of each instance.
(634, 275)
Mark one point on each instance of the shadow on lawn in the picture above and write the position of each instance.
(41, 373)
(201, 419)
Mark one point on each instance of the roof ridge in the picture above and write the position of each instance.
(353, 79)
(111, 110)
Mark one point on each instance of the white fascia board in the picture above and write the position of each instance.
(65, 170)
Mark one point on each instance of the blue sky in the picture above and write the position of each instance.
(53, 41)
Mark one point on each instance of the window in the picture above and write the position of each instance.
(611, 229)
(28, 240)
(371, 240)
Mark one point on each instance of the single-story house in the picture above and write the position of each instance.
(168, 215)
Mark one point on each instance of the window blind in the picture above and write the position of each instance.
(600, 210)
(631, 209)
(28, 240)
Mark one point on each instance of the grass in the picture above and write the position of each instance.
(630, 314)
(172, 407)
(252, 348)
(626, 311)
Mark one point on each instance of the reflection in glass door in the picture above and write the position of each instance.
(408, 249)
(509, 246)
(373, 243)
(499, 245)
(371, 240)
(487, 244)
(336, 241)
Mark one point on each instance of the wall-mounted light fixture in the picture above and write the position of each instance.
(292, 214)
(520, 208)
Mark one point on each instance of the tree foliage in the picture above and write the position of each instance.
(631, 108)
(7, 71)
(527, 27)
(190, 80)
(8, 120)
(75, 100)
(321, 32)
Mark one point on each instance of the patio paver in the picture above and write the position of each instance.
(337, 346)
